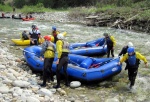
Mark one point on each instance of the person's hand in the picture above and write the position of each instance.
(146, 65)
(112, 48)
(57, 62)
(41, 58)
(119, 63)
(32, 42)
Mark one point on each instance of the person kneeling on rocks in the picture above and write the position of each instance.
(48, 50)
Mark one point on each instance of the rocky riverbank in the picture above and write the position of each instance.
(19, 84)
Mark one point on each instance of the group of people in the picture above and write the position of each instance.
(130, 56)
(30, 16)
(49, 50)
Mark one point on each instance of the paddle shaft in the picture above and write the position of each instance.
(27, 51)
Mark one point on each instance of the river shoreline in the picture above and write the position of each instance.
(99, 20)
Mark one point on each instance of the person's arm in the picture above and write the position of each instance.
(122, 51)
(141, 57)
(113, 40)
(104, 42)
(59, 50)
(123, 59)
(44, 47)
(39, 35)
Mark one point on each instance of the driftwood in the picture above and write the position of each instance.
(130, 18)
(119, 22)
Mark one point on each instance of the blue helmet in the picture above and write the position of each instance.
(53, 27)
(130, 49)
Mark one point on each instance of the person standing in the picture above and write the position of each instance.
(48, 50)
(132, 57)
(62, 48)
(124, 51)
(54, 33)
(34, 36)
(110, 42)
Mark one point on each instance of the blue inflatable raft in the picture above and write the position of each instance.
(80, 67)
(89, 48)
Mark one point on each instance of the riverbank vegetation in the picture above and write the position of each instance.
(121, 8)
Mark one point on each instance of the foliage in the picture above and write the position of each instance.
(1, 2)
(32, 9)
(5, 8)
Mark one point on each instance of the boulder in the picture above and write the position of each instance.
(75, 84)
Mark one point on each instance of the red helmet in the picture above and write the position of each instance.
(47, 37)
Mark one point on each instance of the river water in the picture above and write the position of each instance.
(114, 90)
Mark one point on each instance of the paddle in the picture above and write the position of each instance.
(28, 52)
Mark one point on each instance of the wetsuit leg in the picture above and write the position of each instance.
(132, 72)
(45, 70)
(108, 52)
(50, 68)
(65, 70)
(112, 52)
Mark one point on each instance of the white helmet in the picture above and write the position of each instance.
(60, 36)
(130, 44)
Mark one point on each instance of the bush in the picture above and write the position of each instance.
(5, 8)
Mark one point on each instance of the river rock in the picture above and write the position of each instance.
(21, 83)
(62, 92)
(2, 67)
(14, 72)
(7, 81)
(32, 99)
(4, 89)
(112, 100)
(44, 91)
(75, 84)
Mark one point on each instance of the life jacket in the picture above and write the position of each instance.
(109, 42)
(49, 53)
(65, 46)
(133, 61)
(34, 35)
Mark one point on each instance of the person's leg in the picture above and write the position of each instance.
(134, 76)
(112, 52)
(108, 52)
(132, 72)
(65, 70)
(59, 66)
(45, 72)
(50, 68)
